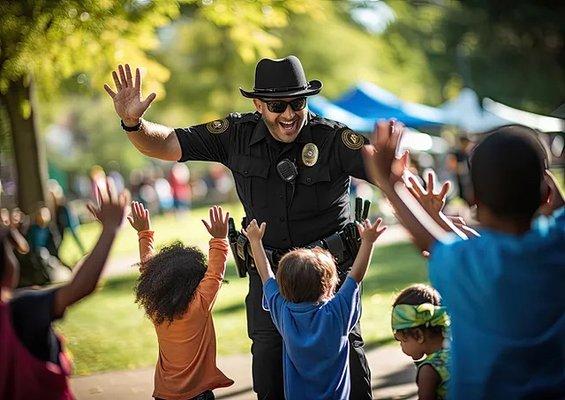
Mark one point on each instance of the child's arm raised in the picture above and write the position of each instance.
(141, 222)
(386, 172)
(217, 256)
(111, 214)
(369, 233)
(255, 234)
(434, 202)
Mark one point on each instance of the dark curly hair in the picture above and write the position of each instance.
(168, 281)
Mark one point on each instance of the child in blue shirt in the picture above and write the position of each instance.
(504, 288)
(313, 321)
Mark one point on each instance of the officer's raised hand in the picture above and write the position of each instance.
(127, 98)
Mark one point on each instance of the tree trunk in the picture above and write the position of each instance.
(31, 163)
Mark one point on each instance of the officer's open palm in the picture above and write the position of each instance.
(218, 226)
(254, 232)
(127, 98)
(368, 232)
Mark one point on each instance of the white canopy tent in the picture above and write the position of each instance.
(465, 112)
(540, 122)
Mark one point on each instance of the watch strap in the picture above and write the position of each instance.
(134, 128)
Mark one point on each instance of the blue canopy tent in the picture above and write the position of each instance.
(412, 140)
(325, 108)
(369, 101)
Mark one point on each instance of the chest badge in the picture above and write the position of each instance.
(310, 154)
(218, 126)
(351, 139)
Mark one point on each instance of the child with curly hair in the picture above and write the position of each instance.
(313, 320)
(178, 291)
(419, 323)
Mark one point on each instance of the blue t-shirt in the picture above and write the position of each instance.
(315, 341)
(506, 298)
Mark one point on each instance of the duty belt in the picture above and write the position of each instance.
(343, 245)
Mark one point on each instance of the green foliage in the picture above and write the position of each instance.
(80, 42)
(51, 40)
(512, 51)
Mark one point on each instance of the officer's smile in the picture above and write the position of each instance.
(289, 127)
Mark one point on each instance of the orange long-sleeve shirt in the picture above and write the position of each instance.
(187, 347)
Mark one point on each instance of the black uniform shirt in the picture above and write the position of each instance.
(316, 205)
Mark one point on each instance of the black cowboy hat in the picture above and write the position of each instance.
(281, 78)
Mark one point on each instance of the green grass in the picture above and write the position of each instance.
(107, 331)
(186, 227)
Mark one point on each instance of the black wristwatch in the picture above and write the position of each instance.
(134, 128)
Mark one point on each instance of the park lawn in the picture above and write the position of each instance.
(107, 331)
(186, 227)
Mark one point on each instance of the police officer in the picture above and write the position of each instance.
(292, 170)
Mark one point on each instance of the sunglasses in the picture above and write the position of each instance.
(279, 106)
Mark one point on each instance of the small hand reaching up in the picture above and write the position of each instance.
(218, 226)
(139, 218)
(370, 232)
(112, 206)
(254, 232)
(432, 202)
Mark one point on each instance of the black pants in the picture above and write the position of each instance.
(267, 351)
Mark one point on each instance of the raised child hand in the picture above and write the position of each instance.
(218, 226)
(139, 218)
(254, 232)
(432, 202)
(127, 98)
(112, 206)
(370, 232)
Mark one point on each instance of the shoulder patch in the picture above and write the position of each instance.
(352, 140)
(218, 126)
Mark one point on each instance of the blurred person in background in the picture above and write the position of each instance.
(164, 194)
(179, 178)
(114, 173)
(458, 163)
(147, 193)
(64, 218)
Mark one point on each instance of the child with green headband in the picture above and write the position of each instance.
(419, 323)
